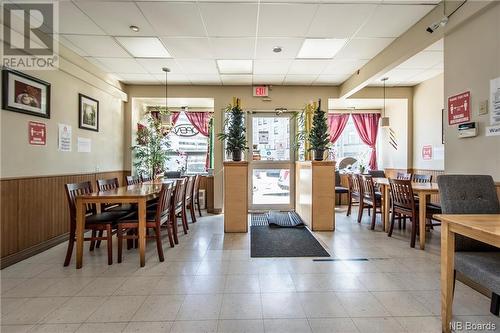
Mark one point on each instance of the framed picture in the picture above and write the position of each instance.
(88, 113)
(25, 94)
(442, 125)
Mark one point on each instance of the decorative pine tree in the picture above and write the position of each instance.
(235, 134)
(319, 136)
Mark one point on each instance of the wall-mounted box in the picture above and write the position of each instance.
(467, 130)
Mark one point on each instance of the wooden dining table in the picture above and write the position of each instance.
(482, 227)
(423, 190)
(137, 194)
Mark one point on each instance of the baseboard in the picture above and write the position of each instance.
(31, 251)
(214, 211)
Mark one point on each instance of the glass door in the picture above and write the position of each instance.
(271, 156)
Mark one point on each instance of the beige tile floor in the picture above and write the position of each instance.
(209, 283)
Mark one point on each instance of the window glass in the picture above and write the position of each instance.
(350, 145)
(271, 138)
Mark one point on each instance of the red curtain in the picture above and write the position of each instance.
(175, 117)
(201, 121)
(336, 125)
(367, 127)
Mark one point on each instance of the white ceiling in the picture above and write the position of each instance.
(197, 33)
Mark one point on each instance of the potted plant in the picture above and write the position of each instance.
(319, 136)
(235, 138)
(151, 150)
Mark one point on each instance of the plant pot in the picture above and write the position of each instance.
(318, 154)
(237, 155)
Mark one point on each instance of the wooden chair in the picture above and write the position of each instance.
(146, 178)
(111, 184)
(403, 176)
(369, 199)
(189, 197)
(196, 193)
(132, 180)
(377, 173)
(353, 191)
(155, 219)
(339, 189)
(96, 222)
(417, 178)
(179, 207)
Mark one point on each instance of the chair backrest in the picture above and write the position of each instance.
(367, 187)
(402, 194)
(417, 178)
(72, 191)
(189, 188)
(164, 202)
(403, 176)
(132, 180)
(196, 188)
(106, 185)
(146, 178)
(180, 192)
(354, 185)
(468, 194)
(377, 173)
(337, 178)
(173, 174)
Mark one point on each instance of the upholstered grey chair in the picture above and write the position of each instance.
(473, 194)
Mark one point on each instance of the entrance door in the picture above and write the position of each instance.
(271, 167)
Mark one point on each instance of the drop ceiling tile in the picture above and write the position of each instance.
(229, 19)
(122, 65)
(398, 75)
(138, 79)
(73, 21)
(268, 79)
(307, 67)
(209, 79)
(198, 66)
(271, 66)
(330, 80)
(426, 75)
(236, 79)
(116, 17)
(173, 78)
(285, 20)
(154, 66)
(344, 66)
(363, 48)
(393, 20)
(233, 48)
(98, 46)
(290, 48)
(180, 19)
(194, 47)
(305, 80)
(339, 20)
(65, 42)
(423, 60)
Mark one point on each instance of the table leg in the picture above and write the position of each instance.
(422, 210)
(79, 232)
(447, 267)
(142, 232)
(387, 208)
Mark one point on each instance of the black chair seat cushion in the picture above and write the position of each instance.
(341, 189)
(482, 267)
(133, 217)
(105, 217)
(123, 208)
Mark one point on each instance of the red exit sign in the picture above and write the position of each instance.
(260, 91)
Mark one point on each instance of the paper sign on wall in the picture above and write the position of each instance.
(495, 101)
(459, 108)
(84, 145)
(64, 137)
(493, 130)
(427, 152)
(37, 133)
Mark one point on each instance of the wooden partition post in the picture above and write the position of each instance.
(315, 194)
(236, 196)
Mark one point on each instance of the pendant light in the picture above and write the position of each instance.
(166, 70)
(385, 120)
(163, 117)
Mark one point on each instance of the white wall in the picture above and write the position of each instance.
(397, 111)
(428, 99)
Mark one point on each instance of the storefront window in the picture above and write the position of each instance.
(350, 145)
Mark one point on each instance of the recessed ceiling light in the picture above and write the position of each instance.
(235, 66)
(277, 49)
(134, 28)
(324, 48)
(144, 47)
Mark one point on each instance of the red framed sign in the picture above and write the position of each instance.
(37, 133)
(459, 108)
(427, 152)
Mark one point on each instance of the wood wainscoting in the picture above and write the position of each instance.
(35, 213)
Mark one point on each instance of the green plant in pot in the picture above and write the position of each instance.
(235, 137)
(319, 135)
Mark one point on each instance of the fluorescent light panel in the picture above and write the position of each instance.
(324, 48)
(235, 66)
(144, 47)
